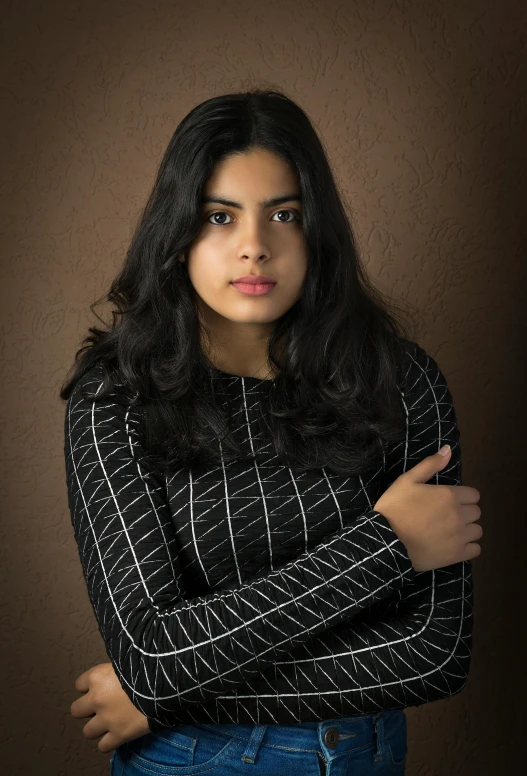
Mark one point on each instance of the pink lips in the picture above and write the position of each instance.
(254, 289)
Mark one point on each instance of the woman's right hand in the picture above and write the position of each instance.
(436, 523)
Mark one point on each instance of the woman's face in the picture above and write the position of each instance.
(250, 237)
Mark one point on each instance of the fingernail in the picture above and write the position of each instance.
(444, 450)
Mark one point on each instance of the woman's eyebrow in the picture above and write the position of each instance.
(266, 203)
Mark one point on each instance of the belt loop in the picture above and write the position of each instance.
(253, 744)
(379, 736)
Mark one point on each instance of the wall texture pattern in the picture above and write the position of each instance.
(422, 107)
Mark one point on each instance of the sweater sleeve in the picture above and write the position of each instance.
(171, 651)
(411, 650)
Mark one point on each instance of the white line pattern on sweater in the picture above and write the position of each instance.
(335, 622)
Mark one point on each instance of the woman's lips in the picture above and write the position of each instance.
(254, 289)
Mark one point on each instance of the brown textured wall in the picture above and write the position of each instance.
(422, 106)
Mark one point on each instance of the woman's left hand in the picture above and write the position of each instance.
(113, 715)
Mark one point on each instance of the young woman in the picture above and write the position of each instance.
(248, 454)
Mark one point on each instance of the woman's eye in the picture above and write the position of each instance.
(293, 213)
(213, 215)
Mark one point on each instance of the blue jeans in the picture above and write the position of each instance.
(362, 746)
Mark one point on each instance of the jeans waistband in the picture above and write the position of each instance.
(345, 734)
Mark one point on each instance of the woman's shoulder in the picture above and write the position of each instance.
(420, 371)
(98, 383)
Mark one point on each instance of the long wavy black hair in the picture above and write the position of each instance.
(335, 402)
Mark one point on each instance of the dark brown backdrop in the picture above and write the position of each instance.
(422, 106)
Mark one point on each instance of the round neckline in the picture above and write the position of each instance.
(243, 377)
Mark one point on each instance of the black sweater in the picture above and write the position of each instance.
(253, 594)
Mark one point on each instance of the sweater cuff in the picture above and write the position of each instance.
(155, 725)
(398, 547)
